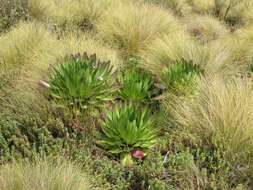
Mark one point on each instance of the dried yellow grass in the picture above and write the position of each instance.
(85, 43)
(205, 28)
(26, 52)
(26, 44)
(231, 11)
(33, 47)
(218, 59)
(241, 45)
(165, 51)
(221, 114)
(179, 7)
(131, 27)
(42, 175)
(68, 11)
(213, 58)
(201, 6)
(28, 48)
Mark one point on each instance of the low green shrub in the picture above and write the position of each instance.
(109, 174)
(28, 134)
(11, 11)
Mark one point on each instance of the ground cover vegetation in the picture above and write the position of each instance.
(126, 94)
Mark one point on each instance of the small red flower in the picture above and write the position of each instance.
(138, 154)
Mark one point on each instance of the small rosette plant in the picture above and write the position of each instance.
(136, 86)
(81, 84)
(128, 131)
(180, 77)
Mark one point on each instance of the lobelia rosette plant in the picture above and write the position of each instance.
(81, 84)
(136, 86)
(180, 77)
(128, 131)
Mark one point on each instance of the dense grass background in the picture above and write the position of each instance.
(189, 62)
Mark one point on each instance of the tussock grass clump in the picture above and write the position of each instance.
(82, 12)
(241, 43)
(31, 48)
(25, 54)
(27, 43)
(39, 9)
(232, 11)
(27, 50)
(164, 51)
(42, 175)
(216, 59)
(212, 58)
(175, 61)
(179, 7)
(205, 28)
(132, 27)
(85, 43)
(221, 115)
(202, 7)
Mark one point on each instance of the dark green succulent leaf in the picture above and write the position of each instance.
(181, 76)
(126, 128)
(136, 86)
(82, 82)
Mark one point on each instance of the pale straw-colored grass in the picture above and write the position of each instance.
(132, 26)
(221, 114)
(42, 175)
